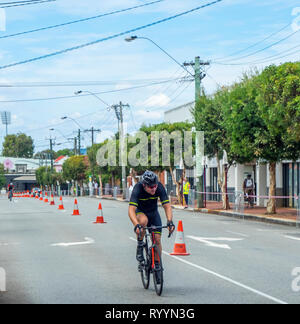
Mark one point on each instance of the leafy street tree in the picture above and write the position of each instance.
(278, 106)
(18, 146)
(168, 133)
(209, 118)
(74, 169)
(2, 176)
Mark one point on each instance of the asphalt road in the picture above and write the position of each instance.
(48, 256)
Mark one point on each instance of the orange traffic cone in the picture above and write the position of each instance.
(100, 219)
(75, 210)
(52, 201)
(179, 247)
(46, 198)
(61, 205)
(41, 196)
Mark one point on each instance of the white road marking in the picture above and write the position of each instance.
(292, 237)
(87, 241)
(244, 235)
(276, 300)
(207, 241)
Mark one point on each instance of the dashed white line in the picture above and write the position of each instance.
(274, 299)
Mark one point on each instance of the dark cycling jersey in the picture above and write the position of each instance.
(10, 188)
(145, 202)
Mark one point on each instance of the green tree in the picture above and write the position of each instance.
(74, 169)
(19, 146)
(278, 106)
(209, 118)
(2, 176)
(165, 130)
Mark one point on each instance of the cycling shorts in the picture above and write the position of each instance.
(153, 219)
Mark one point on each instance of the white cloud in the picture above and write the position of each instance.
(159, 100)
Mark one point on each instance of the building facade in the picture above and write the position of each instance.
(21, 171)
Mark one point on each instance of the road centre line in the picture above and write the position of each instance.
(276, 300)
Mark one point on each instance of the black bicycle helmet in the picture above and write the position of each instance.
(149, 178)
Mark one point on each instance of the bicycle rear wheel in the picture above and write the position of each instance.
(158, 272)
(145, 267)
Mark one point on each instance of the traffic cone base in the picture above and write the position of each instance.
(179, 247)
(99, 220)
(75, 210)
(61, 205)
(52, 201)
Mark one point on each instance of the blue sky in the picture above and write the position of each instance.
(213, 33)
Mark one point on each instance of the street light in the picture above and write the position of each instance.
(79, 131)
(67, 117)
(93, 94)
(61, 133)
(133, 38)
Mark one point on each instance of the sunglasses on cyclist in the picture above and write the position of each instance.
(153, 187)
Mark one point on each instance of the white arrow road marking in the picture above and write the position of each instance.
(87, 241)
(207, 241)
(292, 237)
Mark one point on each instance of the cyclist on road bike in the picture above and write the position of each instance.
(143, 209)
(10, 189)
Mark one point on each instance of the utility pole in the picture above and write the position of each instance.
(79, 141)
(198, 67)
(92, 130)
(75, 144)
(51, 153)
(119, 114)
(51, 140)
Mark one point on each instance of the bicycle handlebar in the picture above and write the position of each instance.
(157, 227)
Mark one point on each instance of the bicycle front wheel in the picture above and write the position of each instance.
(145, 267)
(158, 272)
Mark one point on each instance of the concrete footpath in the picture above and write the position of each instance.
(283, 216)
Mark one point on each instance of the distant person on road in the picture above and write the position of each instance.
(186, 191)
(248, 188)
(10, 190)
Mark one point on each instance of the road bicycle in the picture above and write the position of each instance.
(10, 195)
(152, 263)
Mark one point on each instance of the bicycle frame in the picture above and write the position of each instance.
(151, 234)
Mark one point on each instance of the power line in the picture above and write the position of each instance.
(17, 2)
(108, 38)
(85, 95)
(80, 20)
(266, 59)
(260, 50)
(78, 83)
(253, 45)
(26, 3)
